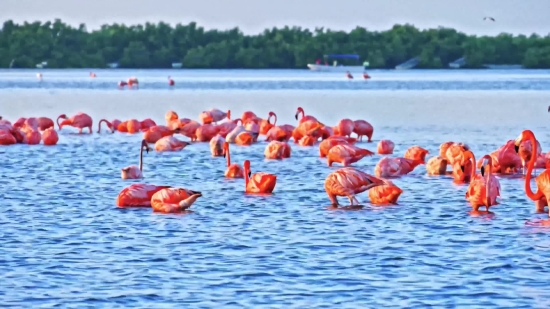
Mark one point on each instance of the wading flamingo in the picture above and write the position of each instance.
(304, 117)
(206, 132)
(484, 188)
(344, 128)
(327, 144)
(133, 126)
(436, 166)
(363, 128)
(454, 156)
(277, 150)
(80, 121)
(385, 147)
(395, 167)
(416, 153)
(525, 152)
(137, 195)
(258, 182)
(147, 123)
(543, 179)
(216, 146)
(266, 125)
(349, 182)
(50, 137)
(154, 133)
(132, 171)
(110, 125)
(174, 200)
(385, 194)
(45, 123)
(6, 138)
(170, 143)
(346, 154)
(233, 170)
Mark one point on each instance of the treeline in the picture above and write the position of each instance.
(159, 45)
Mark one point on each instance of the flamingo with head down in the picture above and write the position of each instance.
(170, 143)
(277, 150)
(258, 182)
(80, 121)
(385, 147)
(154, 133)
(346, 154)
(327, 144)
(111, 125)
(137, 195)
(363, 128)
(233, 170)
(132, 171)
(216, 146)
(174, 200)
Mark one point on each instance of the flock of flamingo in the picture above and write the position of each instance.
(516, 157)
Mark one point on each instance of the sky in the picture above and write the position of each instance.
(253, 16)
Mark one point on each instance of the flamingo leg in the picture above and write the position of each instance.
(80, 131)
(353, 199)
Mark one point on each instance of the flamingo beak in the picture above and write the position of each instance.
(296, 116)
(462, 168)
(249, 174)
(482, 170)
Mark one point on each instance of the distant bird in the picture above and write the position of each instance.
(489, 18)
(549, 109)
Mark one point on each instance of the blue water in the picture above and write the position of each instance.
(64, 243)
(281, 80)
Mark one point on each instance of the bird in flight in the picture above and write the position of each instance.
(489, 18)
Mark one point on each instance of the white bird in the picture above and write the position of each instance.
(489, 18)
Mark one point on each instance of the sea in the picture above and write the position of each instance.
(64, 243)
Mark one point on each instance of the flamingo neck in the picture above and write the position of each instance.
(533, 196)
(246, 178)
(275, 121)
(303, 113)
(57, 121)
(488, 182)
(141, 159)
(109, 125)
(473, 161)
(228, 156)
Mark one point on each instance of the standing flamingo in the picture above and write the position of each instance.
(266, 125)
(174, 200)
(45, 123)
(258, 182)
(304, 117)
(394, 167)
(363, 128)
(233, 170)
(344, 127)
(80, 121)
(137, 195)
(542, 195)
(349, 181)
(484, 188)
(132, 171)
(416, 153)
(346, 154)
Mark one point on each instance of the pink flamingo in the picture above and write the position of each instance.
(416, 153)
(394, 167)
(436, 166)
(50, 137)
(277, 150)
(132, 171)
(80, 121)
(363, 128)
(154, 133)
(258, 182)
(233, 170)
(137, 195)
(346, 154)
(385, 147)
(206, 132)
(327, 144)
(170, 143)
(483, 189)
(266, 125)
(216, 146)
(344, 127)
(174, 200)
(304, 117)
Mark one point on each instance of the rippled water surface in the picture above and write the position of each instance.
(64, 242)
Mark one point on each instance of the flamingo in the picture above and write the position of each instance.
(525, 153)
(206, 132)
(170, 143)
(346, 154)
(304, 117)
(216, 145)
(349, 182)
(133, 81)
(276, 133)
(385, 147)
(258, 182)
(137, 195)
(327, 144)
(277, 150)
(344, 127)
(50, 137)
(45, 123)
(542, 195)
(214, 115)
(385, 194)
(154, 133)
(416, 153)
(266, 125)
(133, 126)
(132, 171)
(122, 127)
(80, 121)
(111, 125)
(170, 81)
(248, 115)
(244, 139)
(226, 127)
(436, 166)
(454, 155)
(190, 130)
(233, 170)
(484, 188)
(7, 138)
(394, 167)
(147, 123)
(307, 141)
(170, 116)
(174, 200)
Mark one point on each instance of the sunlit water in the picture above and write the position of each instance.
(64, 242)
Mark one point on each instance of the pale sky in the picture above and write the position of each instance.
(253, 16)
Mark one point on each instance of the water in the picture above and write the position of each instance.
(64, 243)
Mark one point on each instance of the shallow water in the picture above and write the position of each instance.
(63, 242)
